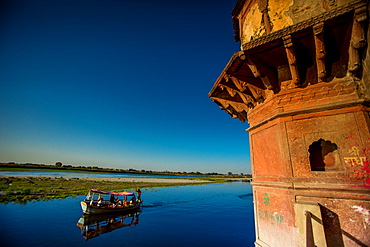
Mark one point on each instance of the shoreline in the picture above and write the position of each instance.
(23, 189)
(133, 180)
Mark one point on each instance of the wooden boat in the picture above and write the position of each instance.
(90, 205)
(94, 225)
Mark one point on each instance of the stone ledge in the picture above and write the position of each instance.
(310, 110)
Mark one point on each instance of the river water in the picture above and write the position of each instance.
(195, 215)
(85, 174)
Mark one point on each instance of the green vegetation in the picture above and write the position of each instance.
(25, 189)
(11, 166)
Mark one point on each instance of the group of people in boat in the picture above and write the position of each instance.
(116, 202)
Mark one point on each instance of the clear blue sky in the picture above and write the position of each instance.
(119, 84)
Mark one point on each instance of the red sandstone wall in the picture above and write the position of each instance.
(305, 91)
(286, 187)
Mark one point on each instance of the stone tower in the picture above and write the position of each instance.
(302, 82)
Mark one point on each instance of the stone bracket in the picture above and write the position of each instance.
(257, 93)
(247, 99)
(292, 60)
(234, 109)
(318, 30)
(260, 70)
(358, 40)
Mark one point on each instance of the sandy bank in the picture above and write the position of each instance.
(136, 180)
(145, 180)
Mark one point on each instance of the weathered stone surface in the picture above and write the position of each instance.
(274, 216)
(251, 27)
(302, 81)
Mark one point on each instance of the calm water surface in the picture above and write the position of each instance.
(81, 174)
(197, 215)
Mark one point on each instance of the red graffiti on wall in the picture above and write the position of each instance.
(360, 164)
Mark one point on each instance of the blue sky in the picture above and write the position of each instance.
(119, 84)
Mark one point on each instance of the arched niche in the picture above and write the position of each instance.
(324, 156)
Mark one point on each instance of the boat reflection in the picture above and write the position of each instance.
(93, 225)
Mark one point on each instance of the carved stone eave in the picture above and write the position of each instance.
(241, 86)
(248, 100)
(234, 109)
(297, 56)
(224, 73)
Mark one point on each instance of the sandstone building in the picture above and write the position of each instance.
(302, 82)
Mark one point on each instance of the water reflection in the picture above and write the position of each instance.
(172, 216)
(246, 196)
(94, 225)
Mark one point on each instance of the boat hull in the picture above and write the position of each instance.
(91, 209)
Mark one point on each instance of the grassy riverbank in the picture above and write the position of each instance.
(25, 189)
(69, 168)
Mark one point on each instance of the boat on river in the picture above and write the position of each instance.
(117, 202)
(94, 225)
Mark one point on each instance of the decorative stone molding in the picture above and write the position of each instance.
(305, 24)
(327, 91)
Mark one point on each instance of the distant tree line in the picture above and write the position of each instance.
(59, 165)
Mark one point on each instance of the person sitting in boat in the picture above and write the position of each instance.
(111, 199)
(117, 201)
(125, 201)
(100, 201)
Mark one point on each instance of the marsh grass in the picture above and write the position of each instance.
(26, 189)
